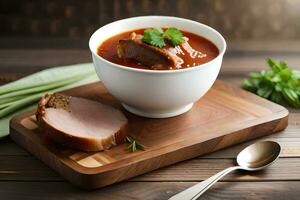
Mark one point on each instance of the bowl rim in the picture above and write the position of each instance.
(150, 71)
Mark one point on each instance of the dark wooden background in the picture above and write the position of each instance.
(74, 20)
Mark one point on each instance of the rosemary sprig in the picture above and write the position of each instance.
(133, 144)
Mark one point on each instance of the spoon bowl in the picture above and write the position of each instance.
(258, 155)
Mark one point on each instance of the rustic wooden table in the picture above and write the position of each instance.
(22, 176)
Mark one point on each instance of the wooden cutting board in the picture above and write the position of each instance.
(225, 116)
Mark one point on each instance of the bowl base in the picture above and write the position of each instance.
(171, 113)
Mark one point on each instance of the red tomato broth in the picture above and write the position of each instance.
(108, 50)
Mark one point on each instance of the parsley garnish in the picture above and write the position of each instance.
(133, 144)
(280, 84)
(156, 37)
(174, 35)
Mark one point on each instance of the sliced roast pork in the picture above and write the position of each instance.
(153, 57)
(81, 123)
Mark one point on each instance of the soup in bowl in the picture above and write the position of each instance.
(157, 66)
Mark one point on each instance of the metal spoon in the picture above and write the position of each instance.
(254, 157)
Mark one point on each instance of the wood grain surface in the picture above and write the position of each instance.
(277, 190)
(22, 176)
(225, 116)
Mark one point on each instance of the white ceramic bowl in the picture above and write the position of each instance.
(154, 93)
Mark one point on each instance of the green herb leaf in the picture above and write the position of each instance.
(264, 91)
(280, 84)
(154, 37)
(276, 97)
(174, 35)
(133, 145)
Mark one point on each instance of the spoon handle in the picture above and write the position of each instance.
(197, 190)
(208, 183)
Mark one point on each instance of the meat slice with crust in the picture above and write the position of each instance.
(81, 123)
